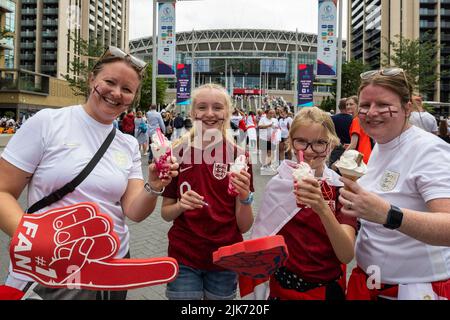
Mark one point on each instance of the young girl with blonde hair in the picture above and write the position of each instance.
(320, 239)
(205, 216)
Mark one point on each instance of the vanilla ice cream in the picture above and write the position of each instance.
(239, 164)
(351, 165)
(303, 170)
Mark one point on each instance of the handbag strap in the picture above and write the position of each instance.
(70, 186)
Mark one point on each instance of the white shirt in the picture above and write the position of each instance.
(408, 172)
(424, 120)
(285, 124)
(266, 134)
(56, 144)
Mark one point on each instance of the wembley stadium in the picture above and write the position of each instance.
(249, 63)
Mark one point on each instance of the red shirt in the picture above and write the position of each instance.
(364, 145)
(311, 255)
(196, 234)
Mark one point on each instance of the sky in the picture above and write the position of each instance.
(286, 15)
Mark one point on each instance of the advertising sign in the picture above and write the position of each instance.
(326, 39)
(183, 84)
(305, 85)
(166, 40)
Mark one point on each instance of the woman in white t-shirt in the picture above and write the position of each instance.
(403, 201)
(285, 123)
(51, 149)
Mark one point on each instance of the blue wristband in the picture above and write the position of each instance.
(249, 199)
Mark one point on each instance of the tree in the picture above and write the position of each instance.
(146, 90)
(418, 57)
(351, 79)
(327, 104)
(87, 54)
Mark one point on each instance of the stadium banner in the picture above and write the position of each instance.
(183, 84)
(305, 85)
(166, 40)
(326, 39)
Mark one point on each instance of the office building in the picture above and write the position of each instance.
(372, 24)
(47, 28)
(7, 27)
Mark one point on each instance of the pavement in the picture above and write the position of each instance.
(148, 238)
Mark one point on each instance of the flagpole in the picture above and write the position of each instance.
(339, 62)
(154, 54)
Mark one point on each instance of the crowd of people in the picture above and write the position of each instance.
(394, 220)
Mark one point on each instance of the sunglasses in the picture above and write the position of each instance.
(388, 72)
(118, 53)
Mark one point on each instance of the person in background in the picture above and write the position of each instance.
(128, 123)
(359, 140)
(285, 122)
(140, 132)
(46, 157)
(443, 131)
(178, 124)
(422, 118)
(402, 202)
(154, 121)
(342, 123)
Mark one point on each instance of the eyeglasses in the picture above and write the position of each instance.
(388, 72)
(116, 52)
(319, 146)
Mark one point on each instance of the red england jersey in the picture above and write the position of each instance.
(311, 255)
(196, 234)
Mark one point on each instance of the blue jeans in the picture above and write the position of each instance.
(193, 284)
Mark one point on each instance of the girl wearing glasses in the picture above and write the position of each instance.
(205, 216)
(54, 145)
(403, 202)
(320, 239)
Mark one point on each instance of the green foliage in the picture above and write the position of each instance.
(328, 104)
(351, 77)
(146, 90)
(88, 52)
(418, 57)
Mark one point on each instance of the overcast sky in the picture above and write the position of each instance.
(287, 15)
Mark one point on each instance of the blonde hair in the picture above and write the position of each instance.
(311, 115)
(189, 136)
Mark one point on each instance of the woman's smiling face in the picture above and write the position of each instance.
(381, 113)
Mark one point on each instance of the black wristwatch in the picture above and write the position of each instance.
(394, 218)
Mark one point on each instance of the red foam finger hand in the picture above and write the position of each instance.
(125, 274)
(256, 258)
(45, 248)
(73, 247)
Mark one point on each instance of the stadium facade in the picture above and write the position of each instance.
(247, 62)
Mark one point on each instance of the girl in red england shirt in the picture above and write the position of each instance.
(205, 216)
(320, 239)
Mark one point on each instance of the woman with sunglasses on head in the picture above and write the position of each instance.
(54, 145)
(205, 214)
(403, 201)
(319, 238)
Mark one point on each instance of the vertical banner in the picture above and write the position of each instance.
(183, 84)
(166, 39)
(305, 85)
(326, 39)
